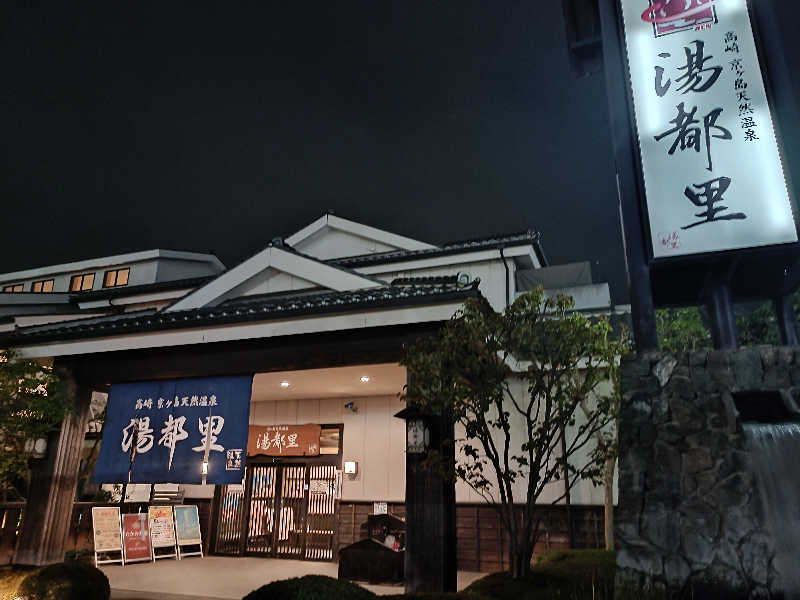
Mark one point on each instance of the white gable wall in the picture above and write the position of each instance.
(328, 243)
(269, 281)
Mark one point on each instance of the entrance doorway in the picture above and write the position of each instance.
(282, 511)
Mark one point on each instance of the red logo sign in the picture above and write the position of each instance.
(672, 16)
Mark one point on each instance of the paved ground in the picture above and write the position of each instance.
(221, 578)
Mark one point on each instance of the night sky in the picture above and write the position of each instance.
(130, 125)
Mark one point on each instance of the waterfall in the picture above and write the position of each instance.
(775, 451)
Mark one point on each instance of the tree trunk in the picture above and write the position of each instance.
(608, 484)
(567, 495)
(520, 556)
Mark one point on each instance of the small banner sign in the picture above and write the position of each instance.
(136, 537)
(187, 525)
(105, 524)
(711, 166)
(161, 431)
(162, 527)
(284, 440)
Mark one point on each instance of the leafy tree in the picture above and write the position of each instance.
(515, 382)
(682, 330)
(33, 402)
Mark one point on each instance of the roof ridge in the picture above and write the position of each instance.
(488, 242)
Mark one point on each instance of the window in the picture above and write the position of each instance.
(81, 283)
(116, 277)
(42, 287)
(14, 287)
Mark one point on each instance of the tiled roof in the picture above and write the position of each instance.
(459, 247)
(245, 310)
(146, 288)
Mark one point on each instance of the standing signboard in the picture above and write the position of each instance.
(711, 166)
(136, 538)
(187, 531)
(176, 431)
(107, 534)
(162, 532)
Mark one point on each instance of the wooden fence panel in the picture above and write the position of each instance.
(481, 542)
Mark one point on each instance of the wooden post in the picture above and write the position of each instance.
(45, 524)
(430, 562)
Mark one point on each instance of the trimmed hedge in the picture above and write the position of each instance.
(65, 581)
(310, 587)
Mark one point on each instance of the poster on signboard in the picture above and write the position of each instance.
(107, 535)
(711, 165)
(284, 440)
(136, 537)
(105, 524)
(162, 527)
(187, 525)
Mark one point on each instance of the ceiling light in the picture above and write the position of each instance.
(364, 379)
(284, 384)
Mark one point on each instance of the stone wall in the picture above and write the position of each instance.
(690, 520)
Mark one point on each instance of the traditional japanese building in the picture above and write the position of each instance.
(318, 320)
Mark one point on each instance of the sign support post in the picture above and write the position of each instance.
(720, 307)
(628, 190)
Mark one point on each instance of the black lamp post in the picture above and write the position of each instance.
(430, 561)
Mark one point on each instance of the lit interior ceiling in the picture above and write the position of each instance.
(340, 382)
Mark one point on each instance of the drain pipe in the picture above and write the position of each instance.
(505, 264)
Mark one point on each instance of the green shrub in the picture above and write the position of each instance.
(310, 587)
(563, 575)
(65, 581)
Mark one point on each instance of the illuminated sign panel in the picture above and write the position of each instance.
(712, 170)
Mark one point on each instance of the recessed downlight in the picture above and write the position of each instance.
(364, 379)
(285, 384)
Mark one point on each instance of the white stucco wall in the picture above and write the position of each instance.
(584, 492)
(372, 436)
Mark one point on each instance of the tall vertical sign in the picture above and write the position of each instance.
(712, 170)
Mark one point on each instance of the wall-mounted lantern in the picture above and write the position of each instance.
(418, 434)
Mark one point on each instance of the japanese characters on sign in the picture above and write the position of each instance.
(162, 526)
(712, 170)
(284, 440)
(164, 431)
